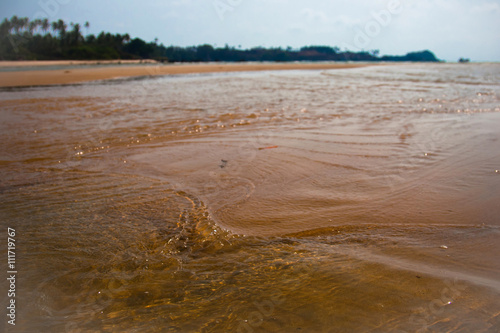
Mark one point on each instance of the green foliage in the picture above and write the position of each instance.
(22, 39)
(422, 56)
(139, 48)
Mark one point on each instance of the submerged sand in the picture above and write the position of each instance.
(154, 206)
(77, 75)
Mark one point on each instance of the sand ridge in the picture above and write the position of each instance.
(115, 69)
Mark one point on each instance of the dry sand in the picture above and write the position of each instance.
(77, 75)
(28, 63)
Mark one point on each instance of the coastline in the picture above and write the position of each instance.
(115, 69)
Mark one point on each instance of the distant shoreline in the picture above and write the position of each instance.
(152, 68)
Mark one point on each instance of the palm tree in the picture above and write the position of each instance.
(45, 25)
(75, 34)
(15, 23)
(33, 25)
(87, 26)
(24, 23)
(61, 27)
(5, 27)
(55, 26)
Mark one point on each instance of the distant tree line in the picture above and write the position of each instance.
(22, 39)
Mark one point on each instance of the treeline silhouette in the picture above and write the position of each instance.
(22, 39)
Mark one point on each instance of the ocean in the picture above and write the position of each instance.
(347, 200)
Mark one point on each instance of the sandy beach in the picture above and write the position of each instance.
(32, 63)
(146, 68)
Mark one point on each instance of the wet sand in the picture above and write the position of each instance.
(78, 75)
(154, 206)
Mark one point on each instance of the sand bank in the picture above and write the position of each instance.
(30, 63)
(77, 75)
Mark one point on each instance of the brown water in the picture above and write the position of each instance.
(150, 205)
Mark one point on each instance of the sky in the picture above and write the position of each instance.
(449, 28)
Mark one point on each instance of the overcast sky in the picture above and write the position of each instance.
(449, 28)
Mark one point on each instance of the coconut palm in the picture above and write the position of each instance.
(24, 23)
(87, 26)
(32, 26)
(45, 25)
(5, 27)
(61, 26)
(54, 26)
(15, 23)
(75, 35)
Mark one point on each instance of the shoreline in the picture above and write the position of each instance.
(44, 77)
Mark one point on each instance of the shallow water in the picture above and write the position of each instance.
(313, 201)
